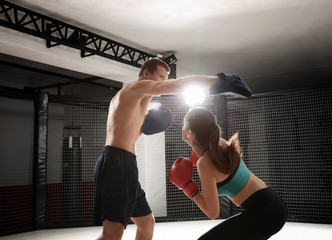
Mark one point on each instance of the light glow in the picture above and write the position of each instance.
(154, 105)
(194, 95)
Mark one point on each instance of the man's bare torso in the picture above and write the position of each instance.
(125, 118)
(129, 106)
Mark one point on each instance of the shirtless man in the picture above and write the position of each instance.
(118, 193)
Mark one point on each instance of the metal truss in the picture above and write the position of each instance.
(59, 33)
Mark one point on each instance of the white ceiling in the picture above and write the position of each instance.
(253, 38)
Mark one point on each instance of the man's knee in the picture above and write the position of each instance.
(151, 222)
(148, 223)
(112, 230)
(145, 223)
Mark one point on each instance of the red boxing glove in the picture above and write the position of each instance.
(181, 174)
(194, 158)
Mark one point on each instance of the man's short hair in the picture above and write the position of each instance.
(152, 64)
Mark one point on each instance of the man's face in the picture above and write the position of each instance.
(159, 75)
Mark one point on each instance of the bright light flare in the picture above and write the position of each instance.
(154, 105)
(194, 95)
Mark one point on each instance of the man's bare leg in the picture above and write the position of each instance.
(145, 226)
(111, 231)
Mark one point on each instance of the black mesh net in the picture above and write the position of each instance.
(16, 178)
(76, 137)
(286, 140)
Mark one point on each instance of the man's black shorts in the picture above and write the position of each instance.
(118, 193)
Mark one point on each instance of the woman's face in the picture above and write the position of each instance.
(185, 130)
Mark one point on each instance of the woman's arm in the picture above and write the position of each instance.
(207, 200)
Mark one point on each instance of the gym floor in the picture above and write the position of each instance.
(178, 230)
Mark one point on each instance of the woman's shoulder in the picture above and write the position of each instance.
(205, 163)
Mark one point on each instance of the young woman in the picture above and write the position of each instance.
(223, 173)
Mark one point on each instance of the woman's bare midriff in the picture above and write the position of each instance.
(253, 185)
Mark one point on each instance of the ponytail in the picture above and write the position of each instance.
(234, 151)
(226, 157)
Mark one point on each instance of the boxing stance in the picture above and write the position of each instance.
(118, 193)
(223, 173)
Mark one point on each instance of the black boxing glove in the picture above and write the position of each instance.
(157, 120)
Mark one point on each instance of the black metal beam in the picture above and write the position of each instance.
(89, 80)
(59, 33)
(72, 81)
(17, 93)
(35, 70)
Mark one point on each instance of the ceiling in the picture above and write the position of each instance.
(257, 39)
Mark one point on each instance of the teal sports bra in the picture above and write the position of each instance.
(234, 183)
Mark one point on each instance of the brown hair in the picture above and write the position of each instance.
(152, 65)
(207, 132)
